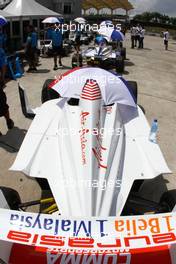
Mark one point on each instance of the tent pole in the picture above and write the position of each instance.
(21, 30)
(38, 26)
(11, 29)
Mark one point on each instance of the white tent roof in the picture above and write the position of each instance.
(4, 14)
(29, 8)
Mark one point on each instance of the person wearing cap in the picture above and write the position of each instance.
(57, 45)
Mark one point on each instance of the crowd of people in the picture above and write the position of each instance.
(4, 107)
(137, 37)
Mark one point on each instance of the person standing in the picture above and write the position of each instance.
(166, 39)
(31, 49)
(137, 36)
(78, 39)
(141, 37)
(4, 109)
(49, 31)
(57, 45)
(133, 35)
(3, 59)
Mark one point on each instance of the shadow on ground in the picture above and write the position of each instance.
(129, 63)
(12, 141)
(146, 49)
(125, 72)
(42, 71)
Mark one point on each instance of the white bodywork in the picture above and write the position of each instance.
(106, 53)
(61, 147)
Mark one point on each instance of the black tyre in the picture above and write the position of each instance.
(43, 183)
(168, 200)
(12, 197)
(133, 89)
(123, 53)
(77, 60)
(120, 65)
(142, 108)
(48, 93)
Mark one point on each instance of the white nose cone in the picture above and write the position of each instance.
(90, 106)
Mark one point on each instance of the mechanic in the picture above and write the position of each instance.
(4, 110)
(78, 39)
(31, 49)
(49, 31)
(57, 45)
(3, 59)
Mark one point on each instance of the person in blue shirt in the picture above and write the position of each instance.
(49, 32)
(3, 58)
(57, 45)
(31, 49)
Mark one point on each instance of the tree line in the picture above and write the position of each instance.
(155, 17)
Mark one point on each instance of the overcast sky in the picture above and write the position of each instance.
(167, 7)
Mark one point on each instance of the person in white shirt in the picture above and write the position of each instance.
(137, 36)
(166, 39)
(133, 35)
(141, 37)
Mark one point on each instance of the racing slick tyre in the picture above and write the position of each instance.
(142, 108)
(123, 53)
(12, 197)
(120, 64)
(168, 200)
(47, 93)
(133, 89)
(77, 61)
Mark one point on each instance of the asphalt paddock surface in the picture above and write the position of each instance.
(154, 70)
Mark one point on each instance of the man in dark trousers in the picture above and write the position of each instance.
(141, 39)
(57, 45)
(133, 35)
(4, 109)
(31, 49)
(166, 39)
(3, 59)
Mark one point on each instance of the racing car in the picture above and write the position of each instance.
(103, 55)
(92, 146)
(130, 206)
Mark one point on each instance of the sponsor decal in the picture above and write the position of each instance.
(83, 132)
(91, 91)
(118, 233)
(99, 149)
(54, 237)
